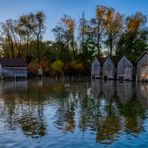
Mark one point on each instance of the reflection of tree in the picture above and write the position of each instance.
(32, 124)
(108, 129)
(142, 94)
(65, 115)
(101, 110)
(88, 112)
(133, 114)
(10, 107)
(24, 109)
(100, 113)
(109, 123)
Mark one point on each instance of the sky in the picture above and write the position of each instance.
(55, 9)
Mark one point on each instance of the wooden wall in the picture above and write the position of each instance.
(125, 69)
(96, 69)
(109, 69)
(142, 68)
(14, 71)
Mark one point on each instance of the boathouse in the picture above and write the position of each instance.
(125, 68)
(110, 67)
(13, 68)
(97, 67)
(142, 67)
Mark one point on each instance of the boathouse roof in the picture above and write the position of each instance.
(101, 59)
(115, 59)
(12, 62)
(146, 52)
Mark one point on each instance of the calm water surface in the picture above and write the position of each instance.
(86, 114)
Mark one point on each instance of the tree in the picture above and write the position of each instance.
(113, 28)
(37, 25)
(69, 27)
(134, 38)
(9, 39)
(99, 23)
(83, 33)
(59, 40)
(25, 31)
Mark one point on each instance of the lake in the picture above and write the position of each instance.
(82, 114)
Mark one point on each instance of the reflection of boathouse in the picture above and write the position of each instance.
(125, 91)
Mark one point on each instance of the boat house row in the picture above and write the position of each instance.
(13, 68)
(121, 68)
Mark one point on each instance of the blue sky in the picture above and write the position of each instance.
(54, 9)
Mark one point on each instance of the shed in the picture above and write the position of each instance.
(110, 67)
(142, 67)
(125, 68)
(96, 67)
(13, 67)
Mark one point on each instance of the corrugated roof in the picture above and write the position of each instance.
(12, 62)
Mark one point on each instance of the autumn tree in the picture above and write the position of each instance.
(99, 23)
(134, 38)
(83, 33)
(8, 37)
(36, 24)
(25, 31)
(59, 43)
(113, 29)
(69, 28)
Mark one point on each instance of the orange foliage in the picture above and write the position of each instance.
(32, 68)
(134, 22)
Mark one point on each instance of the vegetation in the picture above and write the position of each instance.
(75, 45)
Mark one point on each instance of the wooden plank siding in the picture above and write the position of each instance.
(14, 72)
(109, 69)
(13, 67)
(142, 67)
(96, 68)
(125, 69)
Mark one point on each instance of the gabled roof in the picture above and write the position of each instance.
(146, 52)
(101, 59)
(12, 62)
(115, 59)
(132, 58)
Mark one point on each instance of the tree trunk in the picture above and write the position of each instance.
(38, 48)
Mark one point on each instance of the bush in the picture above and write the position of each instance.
(32, 69)
(47, 71)
(76, 69)
(57, 68)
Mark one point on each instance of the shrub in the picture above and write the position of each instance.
(74, 69)
(57, 67)
(32, 69)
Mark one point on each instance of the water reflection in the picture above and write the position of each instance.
(99, 109)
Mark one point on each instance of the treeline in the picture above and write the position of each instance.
(75, 45)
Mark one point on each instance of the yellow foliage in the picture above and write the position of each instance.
(57, 67)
